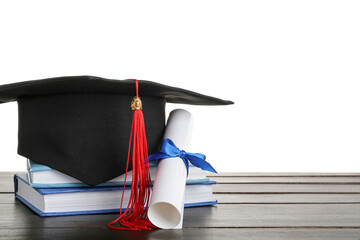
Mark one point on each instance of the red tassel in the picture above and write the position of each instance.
(135, 215)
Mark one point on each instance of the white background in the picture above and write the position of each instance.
(291, 67)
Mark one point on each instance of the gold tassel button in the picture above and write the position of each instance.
(136, 104)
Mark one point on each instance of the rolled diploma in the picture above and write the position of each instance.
(167, 198)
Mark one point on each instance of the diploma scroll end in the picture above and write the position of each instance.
(164, 215)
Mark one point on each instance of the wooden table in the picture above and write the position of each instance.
(251, 206)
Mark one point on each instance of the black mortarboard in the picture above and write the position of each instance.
(80, 125)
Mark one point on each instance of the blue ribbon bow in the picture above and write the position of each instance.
(169, 150)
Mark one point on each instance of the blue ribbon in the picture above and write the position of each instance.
(169, 150)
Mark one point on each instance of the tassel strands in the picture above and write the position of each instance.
(135, 215)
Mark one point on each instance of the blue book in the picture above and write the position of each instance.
(41, 176)
(92, 200)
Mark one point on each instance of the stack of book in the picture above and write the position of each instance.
(51, 193)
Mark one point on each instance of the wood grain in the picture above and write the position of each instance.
(287, 188)
(7, 198)
(287, 198)
(220, 216)
(184, 234)
(290, 180)
(283, 174)
(251, 206)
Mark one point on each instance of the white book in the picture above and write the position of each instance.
(92, 200)
(41, 176)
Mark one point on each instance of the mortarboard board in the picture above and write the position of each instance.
(80, 125)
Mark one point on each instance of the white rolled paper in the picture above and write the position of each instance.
(167, 198)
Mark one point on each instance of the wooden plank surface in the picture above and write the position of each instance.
(251, 206)
(283, 174)
(6, 187)
(220, 216)
(287, 198)
(287, 188)
(7, 198)
(184, 234)
(6, 182)
(6, 175)
(290, 180)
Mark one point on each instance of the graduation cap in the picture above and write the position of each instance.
(84, 127)
(80, 125)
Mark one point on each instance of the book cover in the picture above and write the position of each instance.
(41, 176)
(32, 197)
